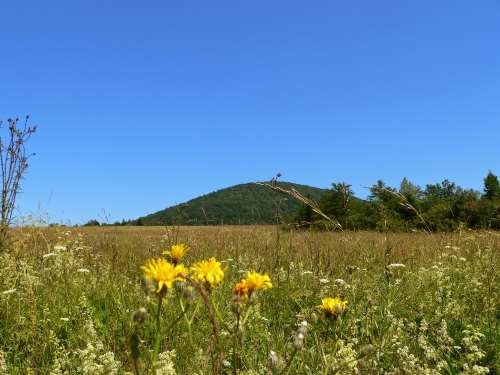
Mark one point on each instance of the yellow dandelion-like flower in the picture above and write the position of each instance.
(333, 307)
(176, 252)
(252, 282)
(241, 289)
(163, 273)
(208, 272)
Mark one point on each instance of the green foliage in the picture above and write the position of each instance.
(239, 204)
(491, 187)
(337, 201)
(439, 207)
(305, 215)
(92, 223)
(443, 206)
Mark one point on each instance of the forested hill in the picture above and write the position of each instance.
(240, 204)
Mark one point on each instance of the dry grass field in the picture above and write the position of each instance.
(75, 301)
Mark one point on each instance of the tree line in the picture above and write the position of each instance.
(443, 206)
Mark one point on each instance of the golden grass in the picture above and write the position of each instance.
(76, 302)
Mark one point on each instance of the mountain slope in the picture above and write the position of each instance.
(239, 204)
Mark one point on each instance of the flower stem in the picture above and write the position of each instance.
(188, 321)
(286, 370)
(183, 313)
(158, 333)
(215, 350)
(235, 344)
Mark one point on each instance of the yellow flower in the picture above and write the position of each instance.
(176, 252)
(333, 306)
(163, 273)
(252, 282)
(208, 272)
(240, 289)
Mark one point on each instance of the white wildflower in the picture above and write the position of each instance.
(342, 283)
(344, 360)
(298, 341)
(165, 363)
(83, 270)
(9, 291)
(93, 359)
(427, 348)
(393, 266)
(443, 338)
(324, 281)
(475, 285)
(272, 360)
(3, 363)
(474, 370)
(471, 341)
(303, 327)
(60, 248)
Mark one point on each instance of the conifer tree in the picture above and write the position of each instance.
(491, 187)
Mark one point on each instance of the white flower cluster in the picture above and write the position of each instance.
(395, 266)
(443, 339)
(16, 276)
(93, 359)
(344, 360)
(473, 353)
(3, 364)
(165, 363)
(408, 362)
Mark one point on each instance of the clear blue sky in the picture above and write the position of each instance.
(141, 105)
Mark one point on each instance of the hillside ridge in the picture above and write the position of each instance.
(246, 203)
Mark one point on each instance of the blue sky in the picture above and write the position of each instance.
(141, 105)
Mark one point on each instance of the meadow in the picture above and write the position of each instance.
(75, 301)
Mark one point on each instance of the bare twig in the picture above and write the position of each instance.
(13, 165)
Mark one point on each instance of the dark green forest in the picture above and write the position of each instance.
(240, 204)
(443, 206)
